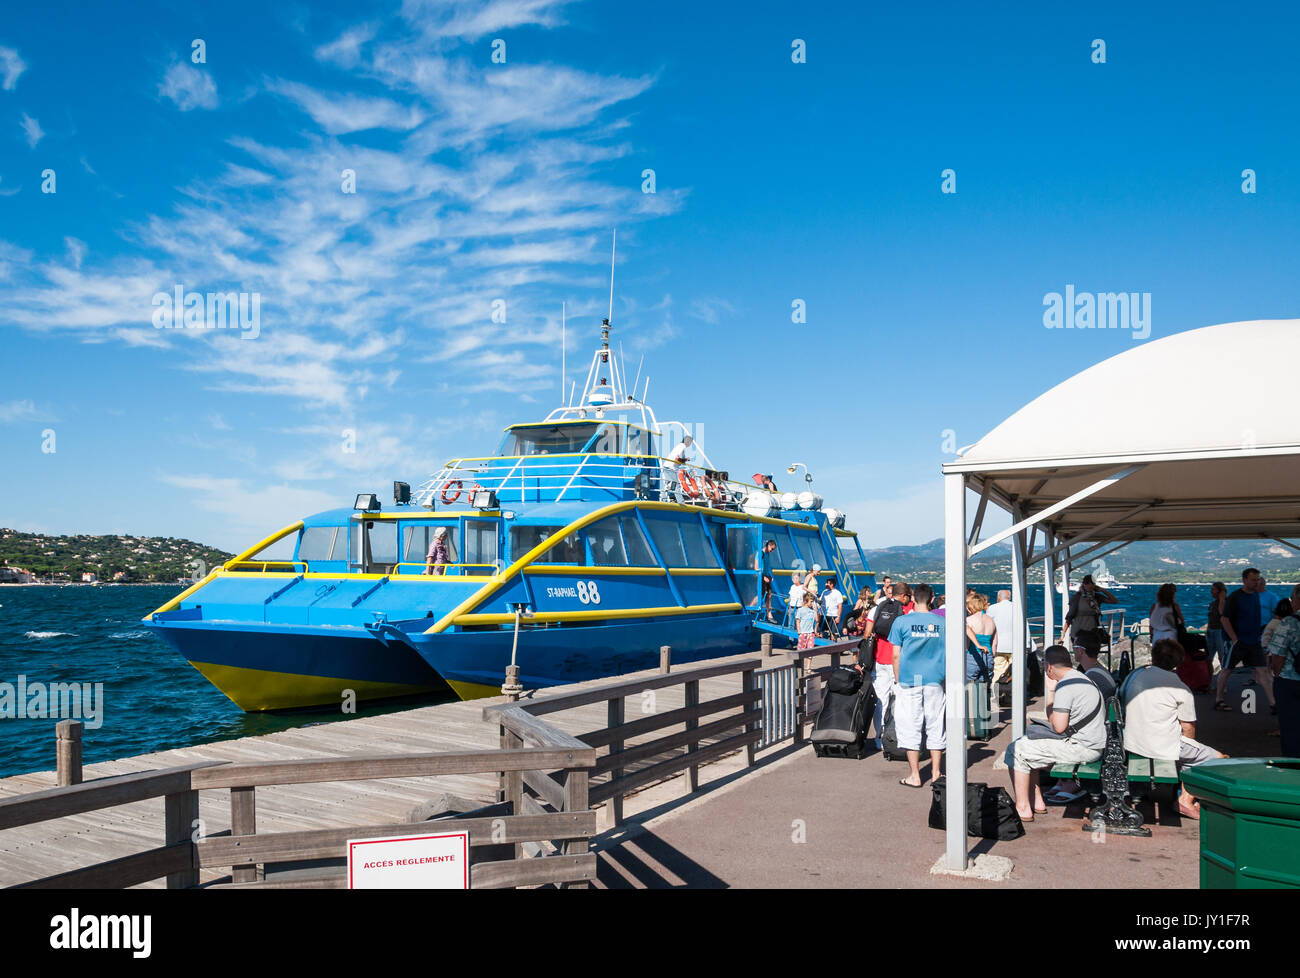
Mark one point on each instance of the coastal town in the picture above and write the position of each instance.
(37, 558)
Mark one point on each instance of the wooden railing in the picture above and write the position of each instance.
(622, 764)
(247, 852)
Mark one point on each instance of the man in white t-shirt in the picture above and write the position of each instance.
(1003, 613)
(1160, 716)
(832, 603)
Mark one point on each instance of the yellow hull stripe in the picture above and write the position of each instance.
(473, 691)
(542, 616)
(255, 690)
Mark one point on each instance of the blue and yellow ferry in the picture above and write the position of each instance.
(577, 550)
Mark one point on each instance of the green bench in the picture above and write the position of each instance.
(1117, 772)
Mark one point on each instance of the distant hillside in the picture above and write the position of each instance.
(136, 559)
(1182, 560)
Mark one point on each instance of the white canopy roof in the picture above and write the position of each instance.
(1203, 426)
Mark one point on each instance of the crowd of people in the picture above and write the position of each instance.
(907, 627)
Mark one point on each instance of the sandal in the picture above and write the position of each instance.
(908, 784)
(1222, 706)
(1040, 811)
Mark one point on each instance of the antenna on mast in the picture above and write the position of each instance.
(613, 244)
(636, 383)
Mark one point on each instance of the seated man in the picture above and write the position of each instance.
(1094, 670)
(1160, 716)
(1077, 733)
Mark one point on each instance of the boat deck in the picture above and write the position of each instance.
(46, 848)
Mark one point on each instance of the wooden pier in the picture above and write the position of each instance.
(310, 787)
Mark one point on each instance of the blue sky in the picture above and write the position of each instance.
(478, 181)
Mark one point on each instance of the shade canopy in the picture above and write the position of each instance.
(1203, 428)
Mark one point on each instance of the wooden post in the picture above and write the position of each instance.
(665, 659)
(765, 643)
(513, 785)
(692, 693)
(67, 752)
(181, 812)
(747, 684)
(616, 747)
(575, 800)
(243, 821)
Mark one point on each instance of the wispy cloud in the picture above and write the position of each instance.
(711, 309)
(189, 87)
(11, 66)
(16, 411)
(348, 113)
(32, 130)
(472, 19)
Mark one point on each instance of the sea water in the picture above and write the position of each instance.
(152, 699)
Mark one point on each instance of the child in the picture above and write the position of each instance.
(806, 617)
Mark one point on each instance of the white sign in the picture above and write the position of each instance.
(418, 862)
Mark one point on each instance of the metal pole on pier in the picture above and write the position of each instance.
(954, 586)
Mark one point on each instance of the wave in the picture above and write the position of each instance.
(136, 634)
(47, 634)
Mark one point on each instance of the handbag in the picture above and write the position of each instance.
(990, 812)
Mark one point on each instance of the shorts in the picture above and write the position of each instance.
(1025, 754)
(917, 708)
(1245, 654)
(1192, 752)
(767, 589)
(807, 640)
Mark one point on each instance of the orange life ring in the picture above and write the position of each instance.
(712, 490)
(469, 494)
(449, 497)
(688, 484)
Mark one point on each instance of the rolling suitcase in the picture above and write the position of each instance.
(979, 720)
(841, 726)
(889, 736)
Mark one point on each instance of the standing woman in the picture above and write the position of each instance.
(1166, 616)
(860, 615)
(1214, 624)
(983, 635)
(439, 555)
(795, 599)
(1284, 663)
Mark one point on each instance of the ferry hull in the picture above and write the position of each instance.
(474, 662)
(263, 668)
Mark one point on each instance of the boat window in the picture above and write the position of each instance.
(525, 538)
(606, 543)
(281, 550)
(784, 557)
(553, 439)
(607, 441)
(810, 545)
(849, 548)
(317, 541)
(635, 441)
(383, 541)
(565, 550)
(416, 538)
(698, 551)
(667, 539)
(340, 549)
(638, 550)
(480, 545)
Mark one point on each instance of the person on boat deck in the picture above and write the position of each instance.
(765, 575)
(795, 600)
(810, 580)
(806, 620)
(832, 605)
(673, 463)
(439, 555)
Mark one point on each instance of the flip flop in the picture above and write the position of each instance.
(1040, 811)
(1024, 819)
(907, 784)
(1222, 706)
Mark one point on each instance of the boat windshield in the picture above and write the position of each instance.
(560, 439)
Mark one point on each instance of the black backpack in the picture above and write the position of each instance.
(990, 812)
(886, 613)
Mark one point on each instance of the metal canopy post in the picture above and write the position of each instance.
(1049, 606)
(1018, 630)
(954, 580)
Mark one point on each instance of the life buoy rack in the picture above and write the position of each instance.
(448, 496)
(713, 491)
(688, 484)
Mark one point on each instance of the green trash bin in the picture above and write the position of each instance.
(1250, 822)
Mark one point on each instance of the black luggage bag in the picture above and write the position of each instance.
(990, 812)
(841, 726)
(889, 737)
